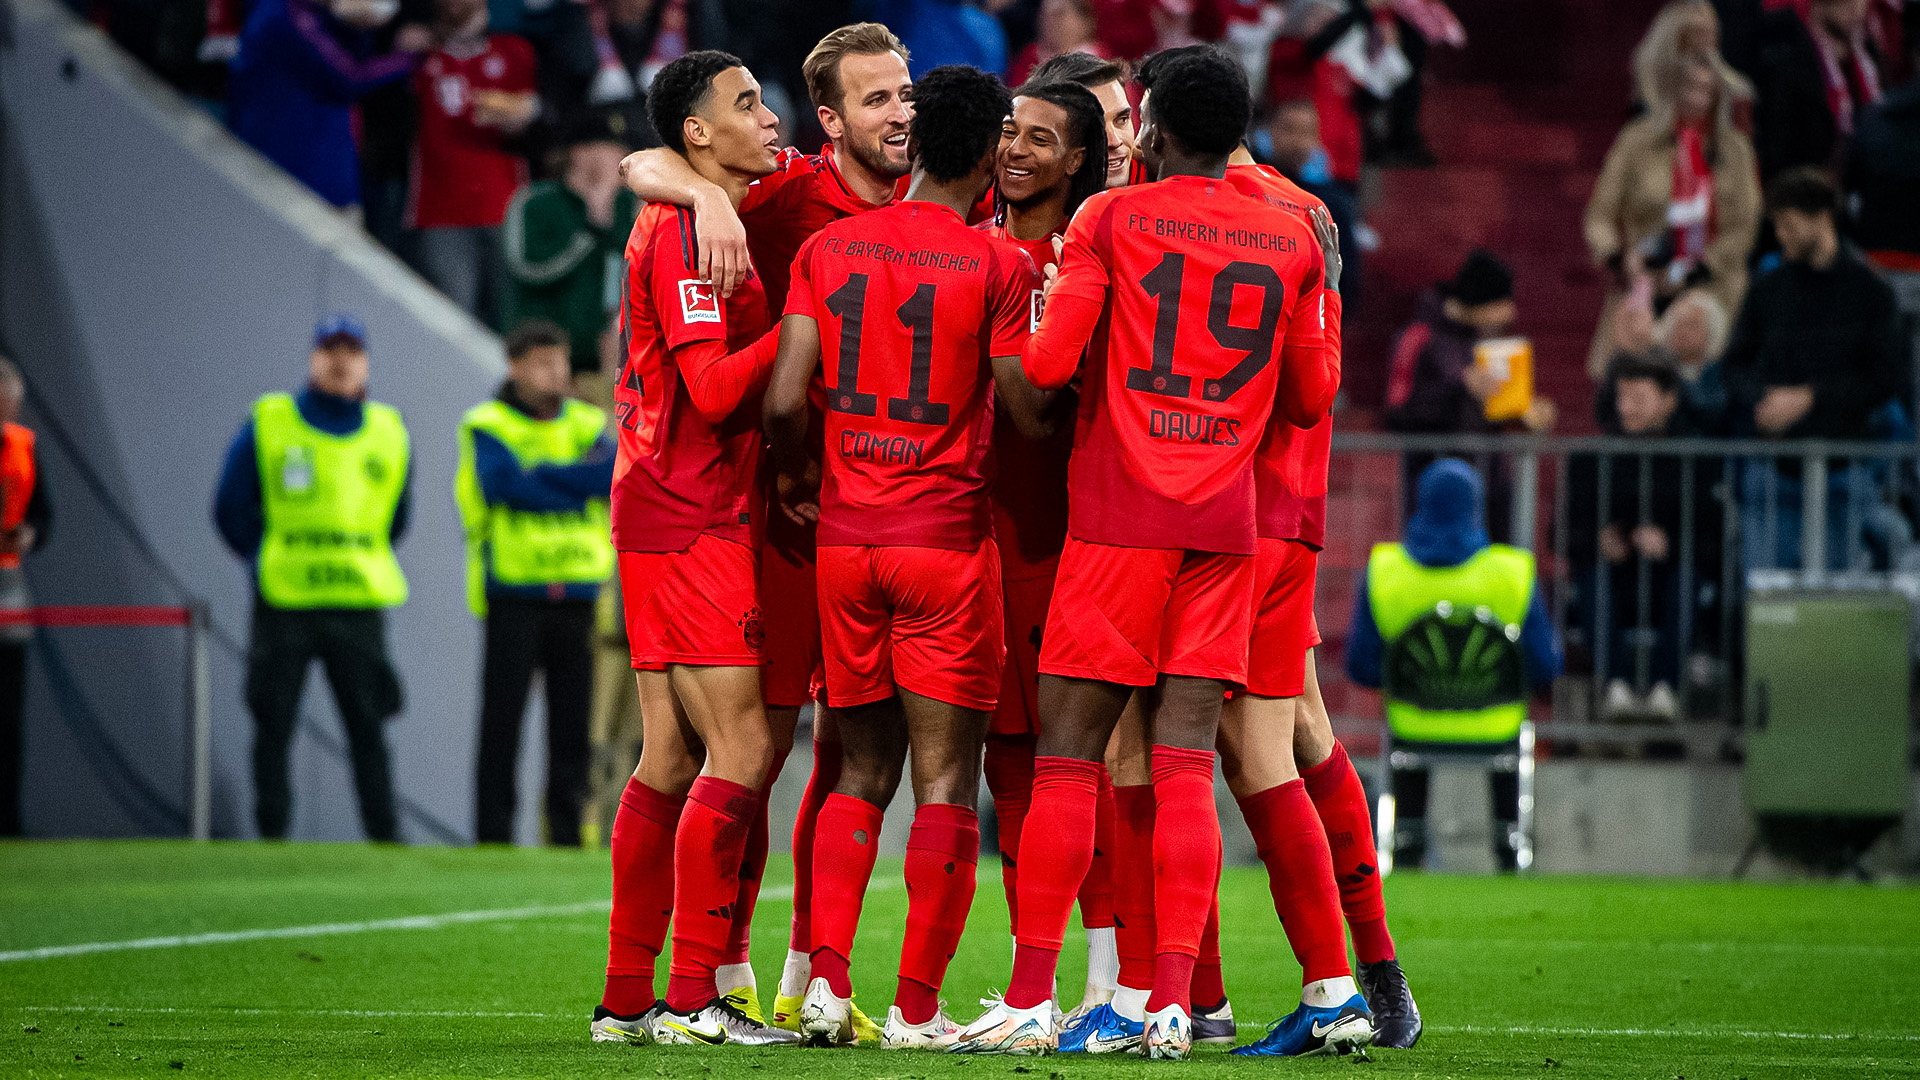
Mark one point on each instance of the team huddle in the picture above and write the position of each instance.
(996, 431)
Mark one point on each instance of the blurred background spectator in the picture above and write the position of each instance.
(300, 67)
(1637, 537)
(1819, 67)
(476, 93)
(1677, 205)
(940, 32)
(564, 242)
(1064, 26)
(1815, 354)
(1289, 141)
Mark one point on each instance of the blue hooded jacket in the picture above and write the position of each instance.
(1447, 528)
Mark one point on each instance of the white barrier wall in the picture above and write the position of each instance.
(155, 277)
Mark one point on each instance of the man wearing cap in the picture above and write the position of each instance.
(565, 239)
(316, 489)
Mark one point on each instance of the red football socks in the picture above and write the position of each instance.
(707, 852)
(1209, 986)
(1096, 892)
(1291, 842)
(1133, 924)
(643, 831)
(1342, 804)
(753, 866)
(1186, 867)
(1009, 774)
(846, 841)
(1057, 846)
(826, 774)
(942, 852)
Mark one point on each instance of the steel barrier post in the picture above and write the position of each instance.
(200, 719)
(1813, 514)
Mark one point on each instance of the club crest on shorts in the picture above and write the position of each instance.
(751, 631)
(699, 302)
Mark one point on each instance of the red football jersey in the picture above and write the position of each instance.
(1290, 467)
(783, 210)
(1030, 476)
(676, 474)
(912, 305)
(463, 176)
(1203, 311)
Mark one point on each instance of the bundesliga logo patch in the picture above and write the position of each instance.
(699, 302)
(1036, 304)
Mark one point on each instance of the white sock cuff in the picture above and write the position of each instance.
(1328, 993)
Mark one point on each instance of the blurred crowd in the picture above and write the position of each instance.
(479, 139)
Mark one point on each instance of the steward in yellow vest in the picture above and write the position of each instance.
(315, 492)
(1446, 571)
(536, 469)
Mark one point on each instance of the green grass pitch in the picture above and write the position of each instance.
(1554, 978)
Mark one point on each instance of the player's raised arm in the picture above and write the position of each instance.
(786, 402)
(662, 176)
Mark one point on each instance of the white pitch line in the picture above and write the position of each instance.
(1671, 946)
(410, 922)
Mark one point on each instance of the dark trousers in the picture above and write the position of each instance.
(524, 634)
(352, 648)
(1410, 787)
(13, 697)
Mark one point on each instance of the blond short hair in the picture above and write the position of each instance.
(821, 69)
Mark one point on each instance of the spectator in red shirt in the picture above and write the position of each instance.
(476, 92)
(1065, 26)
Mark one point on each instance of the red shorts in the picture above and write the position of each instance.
(695, 606)
(1283, 623)
(790, 611)
(1128, 615)
(1026, 618)
(925, 620)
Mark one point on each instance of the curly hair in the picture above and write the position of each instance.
(957, 113)
(1086, 130)
(1199, 97)
(679, 90)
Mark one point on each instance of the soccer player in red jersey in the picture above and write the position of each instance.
(1202, 311)
(685, 514)
(857, 77)
(1278, 752)
(910, 312)
(1107, 79)
(1052, 159)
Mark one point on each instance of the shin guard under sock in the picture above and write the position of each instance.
(1293, 845)
(1058, 847)
(643, 833)
(706, 869)
(1133, 924)
(846, 841)
(1342, 804)
(1186, 867)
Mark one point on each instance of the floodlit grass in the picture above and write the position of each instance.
(1541, 977)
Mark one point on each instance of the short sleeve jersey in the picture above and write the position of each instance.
(463, 174)
(676, 475)
(1206, 293)
(804, 195)
(1290, 466)
(912, 305)
(1030, 475)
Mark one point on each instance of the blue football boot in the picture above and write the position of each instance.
(1102, 1031)
(1308, 1030)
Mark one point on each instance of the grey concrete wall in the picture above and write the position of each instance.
(155, 277)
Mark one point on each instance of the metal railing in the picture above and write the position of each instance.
(198, 736)
(1731, 512)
